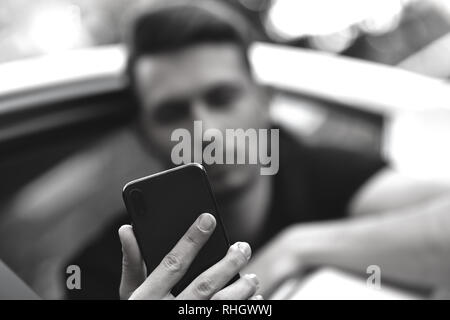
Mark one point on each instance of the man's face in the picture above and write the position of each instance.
(209, 83)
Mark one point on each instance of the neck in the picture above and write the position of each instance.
(245, 212)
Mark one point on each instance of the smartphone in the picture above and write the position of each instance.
(163, 206)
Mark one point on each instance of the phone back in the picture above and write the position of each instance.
(163, 206)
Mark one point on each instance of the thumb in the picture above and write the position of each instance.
(133, 267)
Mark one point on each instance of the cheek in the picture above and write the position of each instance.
(160, 138)
(251, 113)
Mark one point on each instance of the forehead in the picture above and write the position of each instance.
(189, 70)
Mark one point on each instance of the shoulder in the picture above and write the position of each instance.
(320, 158)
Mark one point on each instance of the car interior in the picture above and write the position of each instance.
(69, 143)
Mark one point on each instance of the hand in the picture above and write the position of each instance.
(209, 285)
(279, 259)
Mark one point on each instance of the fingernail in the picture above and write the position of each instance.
(206, 222)
(253, 278)
(121, 231)
(258, 297)
(245, 249)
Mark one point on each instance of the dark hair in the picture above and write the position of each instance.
(173, 25)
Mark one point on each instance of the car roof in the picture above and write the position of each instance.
(369, 86)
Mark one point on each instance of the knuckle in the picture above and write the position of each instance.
(204, 289)
(172, 263)
(125, 262)
(191, 239)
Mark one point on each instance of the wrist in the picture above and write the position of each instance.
(315, 244)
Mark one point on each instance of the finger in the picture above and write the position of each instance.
(176, 263)
(257, 297)
(217, 276)
(242, 289)
(133, 267)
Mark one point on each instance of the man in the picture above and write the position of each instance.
(188, 62)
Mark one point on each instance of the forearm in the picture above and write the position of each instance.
(410, 246)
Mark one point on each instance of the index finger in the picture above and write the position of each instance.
(175, 264)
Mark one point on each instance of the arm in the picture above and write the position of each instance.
(389, 190)
(411, 246)
(409, 238)
(405, 227)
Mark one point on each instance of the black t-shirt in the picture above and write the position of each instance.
(312, 184)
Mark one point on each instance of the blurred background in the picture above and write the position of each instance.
(372, 77)
(385, 31)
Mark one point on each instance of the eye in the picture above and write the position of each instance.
(222, 96)
(172, 111)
